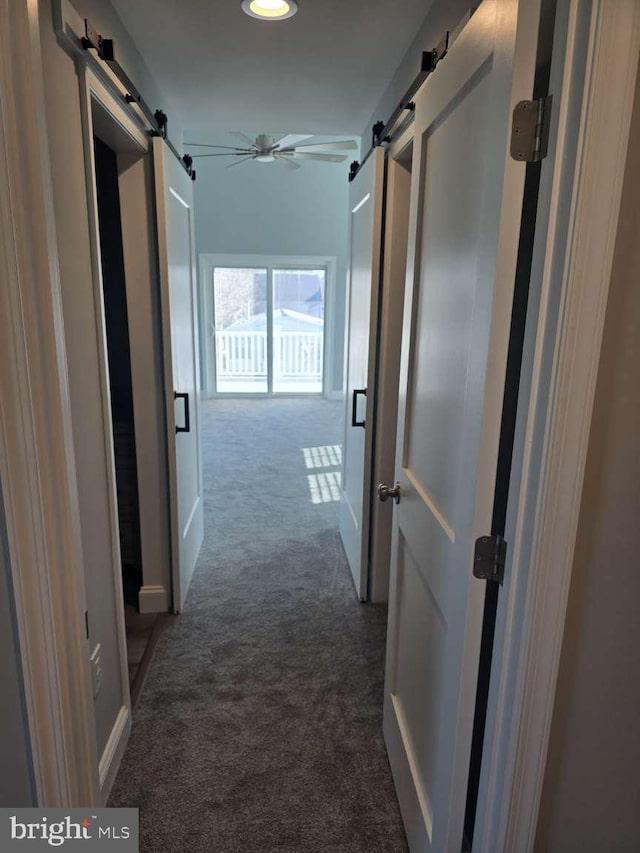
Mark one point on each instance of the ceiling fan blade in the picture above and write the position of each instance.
(327, 158)
(291, 140)
(237, 163)
(235, 153)
(288, 162)
(346, 145)
(243, 136)
(205, 145)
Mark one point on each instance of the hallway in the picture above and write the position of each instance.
(260, 725)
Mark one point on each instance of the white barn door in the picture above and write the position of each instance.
(466, 204)
(174, 201)
(365, 236)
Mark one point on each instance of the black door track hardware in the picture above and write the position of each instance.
(157, 120)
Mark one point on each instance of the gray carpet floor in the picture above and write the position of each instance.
(259, 728)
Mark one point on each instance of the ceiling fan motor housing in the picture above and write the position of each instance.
(264, 142)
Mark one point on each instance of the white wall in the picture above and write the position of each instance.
(16, 779)
(591, 794)
(93, 455)
(264, 209)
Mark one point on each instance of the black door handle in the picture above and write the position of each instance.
(187, 419)
(354, 407)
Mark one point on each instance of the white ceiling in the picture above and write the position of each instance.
(322, 71)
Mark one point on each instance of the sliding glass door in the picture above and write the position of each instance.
(268, 329)
(240, 298)
(298, 330)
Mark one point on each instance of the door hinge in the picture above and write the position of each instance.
(530, 130)
(489, 558)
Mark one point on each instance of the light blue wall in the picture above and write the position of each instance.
(443, 16)
(264, 209)
(104, 17)
(16, 782)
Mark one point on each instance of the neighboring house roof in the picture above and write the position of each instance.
(284, 320)
(315, 297)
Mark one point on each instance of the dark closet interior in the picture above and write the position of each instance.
(119, 358)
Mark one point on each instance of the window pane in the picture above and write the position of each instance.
(298, 330)
(240, 297)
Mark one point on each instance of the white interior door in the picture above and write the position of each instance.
(397, 194)
(174, 201)
(365, 234)
(466, 203)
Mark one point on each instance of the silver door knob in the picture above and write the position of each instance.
(385, 492)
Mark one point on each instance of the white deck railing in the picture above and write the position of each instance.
(241, 354)
(295, 354)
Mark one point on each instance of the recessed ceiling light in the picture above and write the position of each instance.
(270, 10)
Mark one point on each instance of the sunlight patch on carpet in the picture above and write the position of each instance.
(324, 487)
(327, 456)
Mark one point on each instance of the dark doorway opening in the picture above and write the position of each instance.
(119, 360)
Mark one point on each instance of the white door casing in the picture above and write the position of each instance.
(365, 237)
(593, 78)
(174, 200)
(37, 461)
(466, 202)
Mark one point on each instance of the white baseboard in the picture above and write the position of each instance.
(113, 752)
(153, 599)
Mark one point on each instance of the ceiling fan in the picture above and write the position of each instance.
(286, 150)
